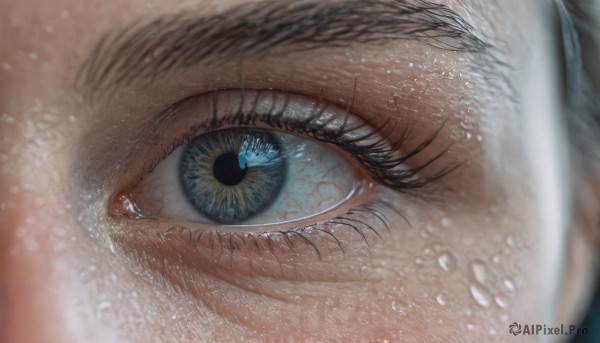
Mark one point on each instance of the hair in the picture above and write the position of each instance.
(580, 33)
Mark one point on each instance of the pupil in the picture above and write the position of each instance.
(227, 169)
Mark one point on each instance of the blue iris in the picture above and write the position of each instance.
(231, 175)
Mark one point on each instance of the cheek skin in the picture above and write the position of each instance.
(28, 281)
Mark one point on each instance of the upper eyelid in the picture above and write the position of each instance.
(369, 145)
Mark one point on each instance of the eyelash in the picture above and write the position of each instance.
(379, 158)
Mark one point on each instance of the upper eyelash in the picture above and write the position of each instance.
(380, 159)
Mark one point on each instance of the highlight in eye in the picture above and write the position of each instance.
(231, 175)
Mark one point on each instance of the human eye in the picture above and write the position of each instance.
(265, 166)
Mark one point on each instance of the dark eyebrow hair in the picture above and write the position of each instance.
(146, 51)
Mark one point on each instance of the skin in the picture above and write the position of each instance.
(72, 268)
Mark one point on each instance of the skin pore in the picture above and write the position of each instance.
(83, 122)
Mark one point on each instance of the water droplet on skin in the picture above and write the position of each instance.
(7, 118)
(325, 76)
(440, 299)
(479, 138)
(469, 136)
(447, 261)
(389, 71)
(410, 65)
(480, 295)
(419, 261)
(509, 284)
(492, 332)
(479, 271)
(470, 326)
(6, 67)
(511, 241)
(496, 259)
(446, 222)
(500, 302)
(504, 318)
(104, 305)
(400, 306)
(33, 56)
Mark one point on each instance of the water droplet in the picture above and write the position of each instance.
(471, 327)
(7, 118)
(469, 136)
(480, 295)
(492, 332)
(504, 318)
(440, 299)
(400, 306)
(6, 66)
(410, 65)
(33, 56)
(446, 222)
(479, 271)
(325, 76)
(447, 261)
(509, 284)
(479, 138)
(419, 261)
(389, 71)
(496, 259)
(511, 241)
(104, 305)
(500, 302)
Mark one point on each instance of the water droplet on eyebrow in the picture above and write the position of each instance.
(480, 295)
(447, 261)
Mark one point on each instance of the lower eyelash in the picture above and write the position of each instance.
(224, 244)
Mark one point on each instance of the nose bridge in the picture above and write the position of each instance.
(29, 310)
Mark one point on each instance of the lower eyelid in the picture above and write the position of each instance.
(357, 230)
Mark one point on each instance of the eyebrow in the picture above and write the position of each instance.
(147, 51)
